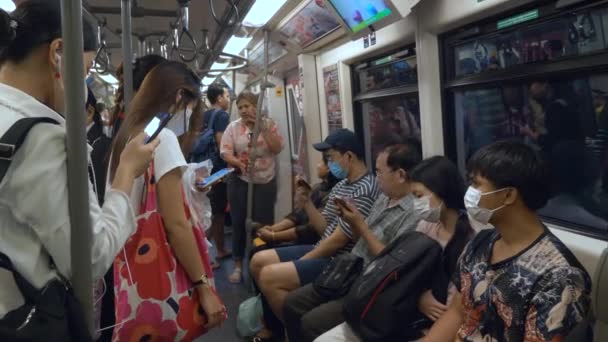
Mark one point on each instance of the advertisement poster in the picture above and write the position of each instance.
(332, 97)
(311, 23)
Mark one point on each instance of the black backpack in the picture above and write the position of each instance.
(52, 313)
(382, 304)
(205, 146)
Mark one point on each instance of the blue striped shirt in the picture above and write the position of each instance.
(363, 192)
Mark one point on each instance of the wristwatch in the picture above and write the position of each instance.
(202, 281)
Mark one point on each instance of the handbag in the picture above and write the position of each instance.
(338, 276)
(49, 314)
(154, 295)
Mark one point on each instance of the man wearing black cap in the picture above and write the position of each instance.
(278, 271)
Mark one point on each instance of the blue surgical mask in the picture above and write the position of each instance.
(337, 170)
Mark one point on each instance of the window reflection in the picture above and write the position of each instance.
(567, 120)
(391, 119)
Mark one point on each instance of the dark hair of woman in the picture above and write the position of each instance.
(156, 95)
(32, 24)
(141, 68)
(443, 178)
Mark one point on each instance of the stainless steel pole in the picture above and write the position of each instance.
(127, 52)
(256, 130)
(77, 162)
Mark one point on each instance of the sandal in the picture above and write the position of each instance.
(236, 277)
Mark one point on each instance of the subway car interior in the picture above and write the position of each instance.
(335, 95)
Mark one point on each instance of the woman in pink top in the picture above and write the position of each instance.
(260, 170)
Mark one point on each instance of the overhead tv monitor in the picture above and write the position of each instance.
(360, 16)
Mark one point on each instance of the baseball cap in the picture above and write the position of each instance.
(341, 139)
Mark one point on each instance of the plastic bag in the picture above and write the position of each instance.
(249, 320)
(199, 203)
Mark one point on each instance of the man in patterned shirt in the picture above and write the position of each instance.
(307, 313)
(517, 282)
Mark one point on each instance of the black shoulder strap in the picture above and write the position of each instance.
(10, 142)
(14, 138)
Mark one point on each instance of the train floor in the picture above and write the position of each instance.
(232, 295)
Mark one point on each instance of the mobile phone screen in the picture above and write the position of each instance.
(152, 127)
(216, 177)
(157, 123)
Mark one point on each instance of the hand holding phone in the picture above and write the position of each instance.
(156, 125)
(215, 178)
(302, 183)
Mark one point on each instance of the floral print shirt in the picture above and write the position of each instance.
(237, 142)
(541, 294)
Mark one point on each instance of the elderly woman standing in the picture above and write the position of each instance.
(237, 145)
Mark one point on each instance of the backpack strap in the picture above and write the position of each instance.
(212, 119)
(12, 140)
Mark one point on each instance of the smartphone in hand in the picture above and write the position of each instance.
(214, 178)
(156, 125)
(303, 184)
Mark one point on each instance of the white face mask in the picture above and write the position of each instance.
(422, 209)
(179, 122)
(471, 202)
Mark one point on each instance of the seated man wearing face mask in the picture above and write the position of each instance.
(519, 281)
(278, 271)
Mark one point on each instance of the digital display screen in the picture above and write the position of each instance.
(359, 14)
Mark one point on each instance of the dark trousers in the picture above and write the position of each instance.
(264, 198)
(309, 315)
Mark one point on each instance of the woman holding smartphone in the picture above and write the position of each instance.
(236, 150)
(171, 87)
(34, 217)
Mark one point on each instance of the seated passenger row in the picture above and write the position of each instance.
(406, 255)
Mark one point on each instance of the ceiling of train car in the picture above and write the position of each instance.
(200, 19)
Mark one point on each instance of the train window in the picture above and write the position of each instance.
(386, 99)
(562, 110)
(388, 120)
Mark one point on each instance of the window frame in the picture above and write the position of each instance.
(563, 68)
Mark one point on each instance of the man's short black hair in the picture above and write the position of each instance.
(514, 164)
(213, 92)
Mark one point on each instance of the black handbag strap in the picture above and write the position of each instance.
(10, 142)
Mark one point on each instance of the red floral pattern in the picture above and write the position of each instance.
(149, 326)
(148, 277)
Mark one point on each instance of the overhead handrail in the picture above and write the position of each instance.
(224, 55)
(163, 47)
(102, 60)
(184, 25)
(232, 21)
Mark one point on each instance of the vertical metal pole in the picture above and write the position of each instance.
(127, 53)
(77, 163)
(256, 129)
